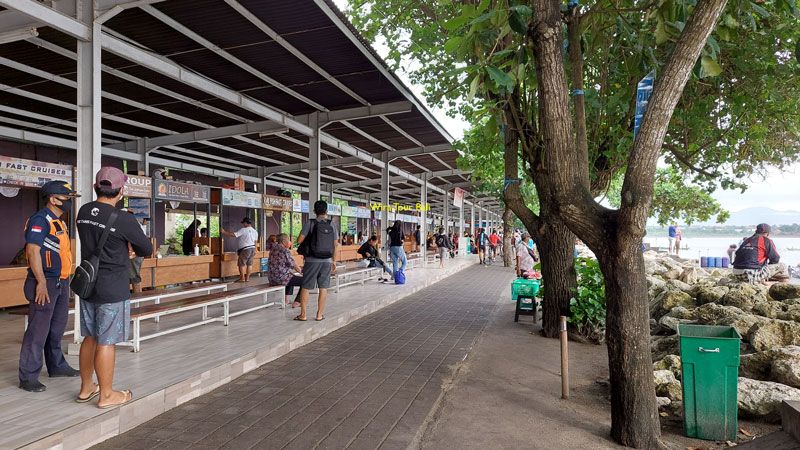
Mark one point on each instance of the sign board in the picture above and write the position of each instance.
(276, 203)
(643, 91)
(334, 209)
(26, 173)
(297, 205)
(349, 211)
(352, 226)
(181, 192)
(138, 187)
(243, 199)
(458, 197)
(363, 213)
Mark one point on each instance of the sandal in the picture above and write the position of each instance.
(301, 320)
(94, 394)
(128, 395)
(321, 319)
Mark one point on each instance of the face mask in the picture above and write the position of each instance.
(66, 205)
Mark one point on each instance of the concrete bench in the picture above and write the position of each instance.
(200, 302)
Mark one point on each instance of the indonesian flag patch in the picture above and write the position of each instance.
(36, 229)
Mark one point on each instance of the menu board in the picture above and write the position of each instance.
(182, 192)
(299, 205)
(276, 203)
(138, 187)
(362, 212)
(241, 198)
(26, 173)
(334, 210)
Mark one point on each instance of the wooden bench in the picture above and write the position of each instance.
(200, 302)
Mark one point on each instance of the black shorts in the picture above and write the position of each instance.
(482, 248)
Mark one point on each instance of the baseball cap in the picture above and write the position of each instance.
(763, 228)
(246, 220)
(110, 177)
(56, 187)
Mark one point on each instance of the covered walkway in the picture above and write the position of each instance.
(369, 385)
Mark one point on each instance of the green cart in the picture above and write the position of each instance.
(524, 292)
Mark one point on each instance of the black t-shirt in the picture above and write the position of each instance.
(113, 277)
(396, 237)
(367, 250)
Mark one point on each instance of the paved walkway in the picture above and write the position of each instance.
(369, 385)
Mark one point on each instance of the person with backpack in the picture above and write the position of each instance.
(396, 251)
(441, 244)
(369, 251)
(317, 243)
(106, 312)
(417, 240)
(482, 240)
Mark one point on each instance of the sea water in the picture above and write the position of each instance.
(788, 248)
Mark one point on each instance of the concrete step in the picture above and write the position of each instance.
(790, 417)
(779, 440)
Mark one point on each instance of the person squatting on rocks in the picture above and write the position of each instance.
(757, 260)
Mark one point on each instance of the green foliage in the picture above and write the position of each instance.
(675, 198)
(588, 304)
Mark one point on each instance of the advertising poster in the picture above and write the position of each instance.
(26, 173)
(181, 192)
(277, 203)
(352, 226)
(458, 197)
(138, 187)
(241, 198)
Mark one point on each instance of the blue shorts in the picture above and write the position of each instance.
(107, 323)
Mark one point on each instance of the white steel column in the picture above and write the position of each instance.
(461, 245)
(445, 211)
(384, 200)
(480, 215)
(314, 152)
(89, 131)
(472, 219)
(423, 215)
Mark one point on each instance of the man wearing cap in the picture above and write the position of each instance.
(47, 247)
(757, 260)
(246, 247)
(105, 315)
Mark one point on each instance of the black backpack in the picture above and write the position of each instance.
(440, 241)
(320, 240)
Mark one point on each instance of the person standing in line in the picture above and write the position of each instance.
(323, 240)
(678, 238)
(47, 247)
(672, 233)
(191, 232)
(246, 247)
(106, 314)
(396, 239)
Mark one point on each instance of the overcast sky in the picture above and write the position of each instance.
(781, 191)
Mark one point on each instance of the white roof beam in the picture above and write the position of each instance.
(39, 13)
(181, 153)
(422, 150)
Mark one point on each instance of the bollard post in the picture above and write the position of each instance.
(564, 360)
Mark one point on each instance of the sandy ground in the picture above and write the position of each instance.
(508, 396)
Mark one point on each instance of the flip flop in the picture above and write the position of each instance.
(301, 320)
(90, 397)
(127, 393)
(320, 320)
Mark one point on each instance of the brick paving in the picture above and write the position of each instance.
(369, 385)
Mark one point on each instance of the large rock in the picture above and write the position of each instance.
(792, 312)
(784, 291)
(762, 399)
(668, 299)
(709, 294)
(660, 347)
(653, 266)
(773, 333)
(654, 283)
(757, 366)
(671, 363)
(780, 364)
(679, 312)
(679, 285)
(713, 314)
(689, 275)
(768, 309)
(742, 295)
(667, 385)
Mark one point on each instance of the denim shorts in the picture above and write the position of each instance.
(107, 323)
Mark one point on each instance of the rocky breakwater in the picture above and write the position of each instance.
(768, 319)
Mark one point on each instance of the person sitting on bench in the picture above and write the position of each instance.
(280, 267)
(369, 251)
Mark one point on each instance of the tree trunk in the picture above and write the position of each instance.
(556, 246)
(508, 225)
(634, 413)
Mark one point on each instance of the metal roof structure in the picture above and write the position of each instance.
(224, 87)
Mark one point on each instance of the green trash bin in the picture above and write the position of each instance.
(710, 367)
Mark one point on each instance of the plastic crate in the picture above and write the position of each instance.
(524, 288)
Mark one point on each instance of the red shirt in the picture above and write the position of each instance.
(494, 239)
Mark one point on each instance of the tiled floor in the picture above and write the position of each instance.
(369, 385)
(176, 368)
